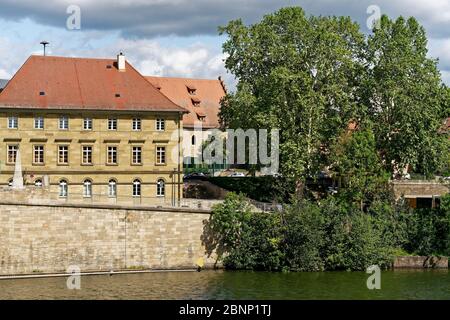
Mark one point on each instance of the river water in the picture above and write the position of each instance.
(431, 284)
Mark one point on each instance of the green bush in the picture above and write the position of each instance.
(354, 239)
(429, 230)
(304, 237)
(249, 240)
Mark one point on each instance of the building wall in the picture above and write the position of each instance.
(190, 150)
(420, 189)
(420, 194)
(99, 138)
(50, 238)
(195, 151)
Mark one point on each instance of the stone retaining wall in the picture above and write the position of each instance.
(420, 262)
(45, 238)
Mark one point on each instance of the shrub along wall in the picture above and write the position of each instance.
(330, 235)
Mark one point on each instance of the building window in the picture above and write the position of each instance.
(160, 188)
(112, 188)
(63, 154)
(136, 155)
(193, 140)
(191, 89)
(160, 155)
(87, 188)
(136, 124)
(39, 122)
(63, 189)
(112, 155)
(38, 183)
(63, 123)
(13, 122)
(87, 155)
(12, 154)
(87, 124)
(160, 124)
(112, 124)
(38, 155)
(136, 188)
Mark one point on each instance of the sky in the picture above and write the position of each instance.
(179, 37)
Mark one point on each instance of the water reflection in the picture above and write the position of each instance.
(433, 284)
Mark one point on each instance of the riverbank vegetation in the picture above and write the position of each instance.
(327, 235)
(362, 108)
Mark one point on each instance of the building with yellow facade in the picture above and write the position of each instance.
(202, 98)
(91, 129)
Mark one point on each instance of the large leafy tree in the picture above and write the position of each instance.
(298, 74)
(404, 95)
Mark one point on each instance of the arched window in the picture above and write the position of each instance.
(38, 183)
(193, 140)
(112, 188)
(63, 189)
(160, 188)
(136, 188)
(87, 188)
(10, 182)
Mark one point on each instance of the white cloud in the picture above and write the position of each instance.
(440, 48)
(132, 26)
(151, 58)
(4, 74)
(446, 77)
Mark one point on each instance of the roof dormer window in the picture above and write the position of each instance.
(195, 101)
(42, 93)
(191, 89)
(201, 115)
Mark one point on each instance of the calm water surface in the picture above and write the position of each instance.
(433, 284)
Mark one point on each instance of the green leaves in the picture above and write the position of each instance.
(310, 76)
(403, 95)
(358, 168)
(295, 73)
(248, 240)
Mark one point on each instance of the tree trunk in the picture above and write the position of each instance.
(300, 189)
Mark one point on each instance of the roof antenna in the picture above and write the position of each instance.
(44, 43)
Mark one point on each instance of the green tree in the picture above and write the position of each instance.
(297, 74)
(404, 96)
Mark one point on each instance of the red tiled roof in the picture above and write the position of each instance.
(48, 82)
(207, 92)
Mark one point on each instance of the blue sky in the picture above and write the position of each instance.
(179, 37)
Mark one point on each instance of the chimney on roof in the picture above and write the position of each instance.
(121, 62)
